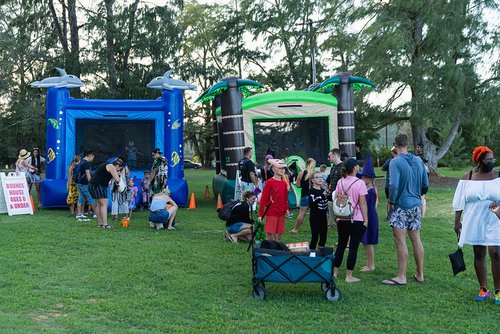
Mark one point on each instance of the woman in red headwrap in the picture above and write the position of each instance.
(475, 223)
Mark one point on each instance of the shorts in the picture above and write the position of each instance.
(247, 186)
(84, 194)
(406, 219)
(35, 178)
(275, 225)
(159, 216)
(304, 201)
(97, 191)
(235, 228)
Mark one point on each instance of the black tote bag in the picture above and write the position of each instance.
(457, 260)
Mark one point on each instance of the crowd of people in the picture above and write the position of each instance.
(88, 191)
(477, 199)
(350, 181)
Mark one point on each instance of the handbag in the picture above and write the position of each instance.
(457, 260)
(342, 206)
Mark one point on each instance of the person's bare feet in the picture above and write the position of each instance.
(352, 279)
(366, 269)
(418, 278)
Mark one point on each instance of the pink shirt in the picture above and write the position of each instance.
(357, 190)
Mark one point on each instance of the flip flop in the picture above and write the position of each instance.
(392, 282)
(416, 279)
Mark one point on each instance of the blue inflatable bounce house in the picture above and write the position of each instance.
(111, 128)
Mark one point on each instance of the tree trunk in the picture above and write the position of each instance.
(74, 56)
(430, 155)
(110, 46)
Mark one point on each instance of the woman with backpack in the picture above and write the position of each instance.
(239, 224)
(350, 194)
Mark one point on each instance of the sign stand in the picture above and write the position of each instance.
(15, 196)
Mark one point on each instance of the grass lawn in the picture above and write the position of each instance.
(62, 276)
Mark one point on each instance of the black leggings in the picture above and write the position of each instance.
(346, 229)
(319, 227)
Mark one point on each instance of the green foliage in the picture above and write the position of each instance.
(379, 155)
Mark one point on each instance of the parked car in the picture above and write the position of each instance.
(191, 164)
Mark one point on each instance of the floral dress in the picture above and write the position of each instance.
(72, 198)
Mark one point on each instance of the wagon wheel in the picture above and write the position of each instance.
(333, 294)
(325, 286)
(259, 292)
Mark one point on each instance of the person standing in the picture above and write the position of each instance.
(249, 180)
(407, 183)
(352, 228)
(419, 152)
(370, 237)
(98, 186)
(358, 147)
(304, 183)
(476, 194)
(72, 198)
(275, 197)
(266, 171)
(82, 183)
(319, 207)
(23, 166)
(334, 156)
(159, 175)
(39, 163)
(385, 168)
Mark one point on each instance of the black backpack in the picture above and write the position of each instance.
(224, 213)
(75, 173)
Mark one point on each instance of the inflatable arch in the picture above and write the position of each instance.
(108, 127)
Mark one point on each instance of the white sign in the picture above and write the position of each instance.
(16, 194)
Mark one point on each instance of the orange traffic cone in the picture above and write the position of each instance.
(192, 203)
(32, 203)
(219, 202)
(207, 193)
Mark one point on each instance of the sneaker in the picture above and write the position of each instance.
(484, 294)
(496, 298)
(94, 216)
(233, 239)
(82, 216)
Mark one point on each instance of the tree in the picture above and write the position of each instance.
(406, 48)
(25, 41)
(70, 44)
(283, 25)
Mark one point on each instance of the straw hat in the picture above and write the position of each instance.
(23, 154)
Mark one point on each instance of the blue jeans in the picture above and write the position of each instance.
(159, 216)
(235, 228)
(83, 193)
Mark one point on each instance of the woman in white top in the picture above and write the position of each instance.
(479, 227)
(23, 166)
